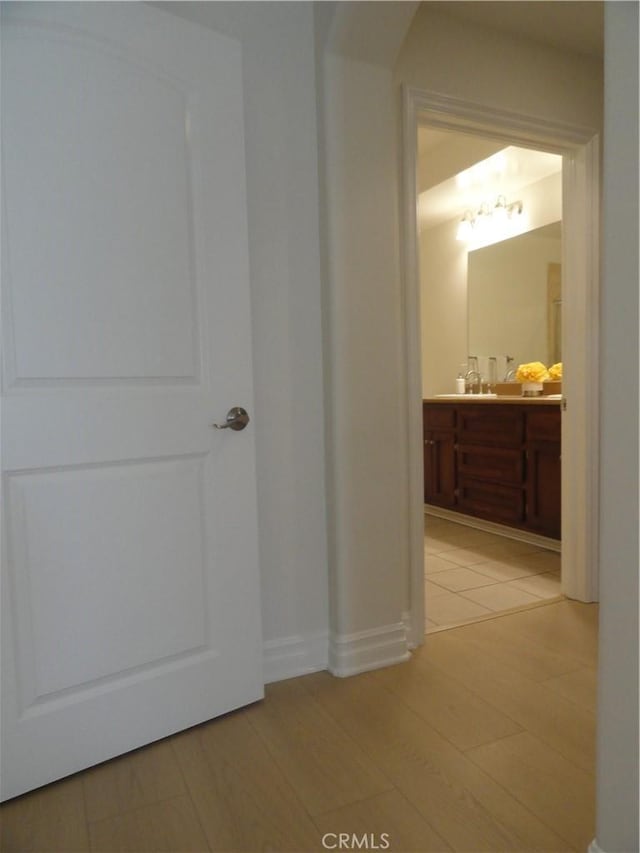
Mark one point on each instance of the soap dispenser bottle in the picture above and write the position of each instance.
(460, 383)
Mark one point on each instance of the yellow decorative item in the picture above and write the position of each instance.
(534, 371)
(555, 372)
(531, 376)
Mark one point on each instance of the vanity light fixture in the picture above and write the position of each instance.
(500, 213)
(465, 228)
(487, 219)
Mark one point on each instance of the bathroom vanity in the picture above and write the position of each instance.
(495, 458)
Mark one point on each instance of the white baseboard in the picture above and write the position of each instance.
(492, 527)
(374, 648)
(343, 655)
(406, 621)
(594, 847)
(288, 657)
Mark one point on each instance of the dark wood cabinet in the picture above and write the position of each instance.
(499, 462)
(543, 450)
(493, 425)
(439, 456)
(439, 468)
(491, 501)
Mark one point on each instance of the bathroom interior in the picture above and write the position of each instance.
(490, 252)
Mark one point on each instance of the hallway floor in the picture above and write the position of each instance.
(470, 574)
(483, 741)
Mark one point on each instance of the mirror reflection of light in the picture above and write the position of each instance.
(496, 232)
(500, 212)
(484, 227)
(465, 228)
(480, 173)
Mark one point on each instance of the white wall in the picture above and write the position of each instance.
(443, 307)
(617, 749)
(282, 187)
(364, 321)
(480, 64)
(365, 403)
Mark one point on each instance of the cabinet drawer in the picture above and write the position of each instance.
(544, 424)
(494, 425)
(491, 500)
(502, 465)
(438, 417)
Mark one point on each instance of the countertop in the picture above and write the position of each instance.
(486, 399)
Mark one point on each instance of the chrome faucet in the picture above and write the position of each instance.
(510, 375)
(492, 378)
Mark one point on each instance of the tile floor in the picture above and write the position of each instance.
(470, 574)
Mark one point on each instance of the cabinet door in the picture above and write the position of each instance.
(439, 468)
(543, 424)
(543, 487)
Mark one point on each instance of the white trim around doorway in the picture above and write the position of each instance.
(579, 147)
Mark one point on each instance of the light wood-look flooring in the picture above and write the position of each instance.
(484, 741)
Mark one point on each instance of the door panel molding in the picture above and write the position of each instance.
(130, 578)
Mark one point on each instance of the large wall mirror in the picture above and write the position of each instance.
(514, 298)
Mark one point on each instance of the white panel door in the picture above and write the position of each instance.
(129, 578)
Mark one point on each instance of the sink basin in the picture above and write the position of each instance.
(498, 396)
(464, 396)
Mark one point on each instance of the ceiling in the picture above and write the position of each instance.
(576, 25)
(504, 173)
(429, 138)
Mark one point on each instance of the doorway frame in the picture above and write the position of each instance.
(580, 150)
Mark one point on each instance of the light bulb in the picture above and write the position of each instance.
(484, 223)
(500, 214)
(465, 228)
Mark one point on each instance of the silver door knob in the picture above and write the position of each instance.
(237, 419)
